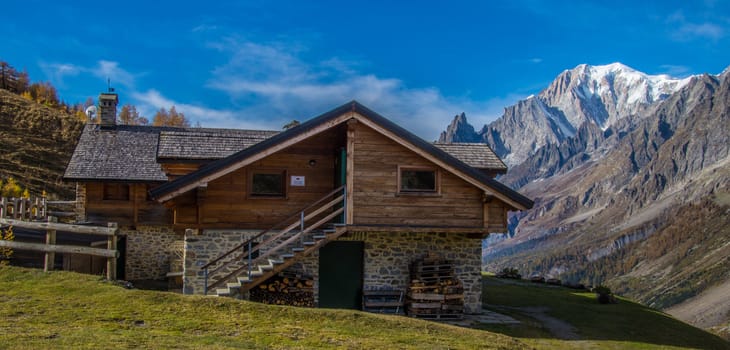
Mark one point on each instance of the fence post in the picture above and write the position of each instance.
(23, 208)
(45, 206)
(50, 240)
(111, 263)
(3, 205)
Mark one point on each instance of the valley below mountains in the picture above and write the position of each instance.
(630, 174)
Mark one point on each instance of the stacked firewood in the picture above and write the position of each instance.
(435, 293)
(285, 289)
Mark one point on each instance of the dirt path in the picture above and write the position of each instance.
(559, 328)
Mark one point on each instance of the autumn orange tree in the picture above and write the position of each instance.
(6, 253)
(170, 118)
(128, 115)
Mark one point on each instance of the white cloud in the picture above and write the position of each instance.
(271, 84)
(275, 83)
(57, 72)
(690, 31)
(116, 75)
(684, 29)
(103, 69)
(676, 70)
(150, 101)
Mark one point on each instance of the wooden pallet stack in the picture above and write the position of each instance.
(384, 301)
(435, 292)
(285, 289)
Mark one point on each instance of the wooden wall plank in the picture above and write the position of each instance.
(376, 197)
(227, 202)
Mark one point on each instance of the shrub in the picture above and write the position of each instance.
(11, 188)
(604, 295)
(508, 272)
(6, 252)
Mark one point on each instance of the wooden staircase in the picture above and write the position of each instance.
(270, 251)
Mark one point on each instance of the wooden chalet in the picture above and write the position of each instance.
(347, 200)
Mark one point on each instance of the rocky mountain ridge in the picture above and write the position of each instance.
(602, 95)
(641, 203)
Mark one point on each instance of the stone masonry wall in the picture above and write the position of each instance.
(202, 247)
(80, 206)
(150, 250)
(388, 257)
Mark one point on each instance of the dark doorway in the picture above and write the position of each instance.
(122, 260)
(340, 275)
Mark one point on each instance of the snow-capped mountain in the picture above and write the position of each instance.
(631, 185)
(605, 94)
(602, 95)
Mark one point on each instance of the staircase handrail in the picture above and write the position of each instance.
(248, 244)
(278, 235)
(278, 224)
(268, 253)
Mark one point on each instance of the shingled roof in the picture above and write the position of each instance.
(476, 155)
(214, 169)
(133, 153)
(123, 153)
(207, 144)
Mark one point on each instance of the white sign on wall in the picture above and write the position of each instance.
(297, 181)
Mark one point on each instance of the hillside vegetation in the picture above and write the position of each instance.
(64, 310)
(36, 143)
(578, 321)
(642, 208)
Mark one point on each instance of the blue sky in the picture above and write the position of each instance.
(260, 64)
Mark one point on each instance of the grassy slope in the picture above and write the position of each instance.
(36, 143)
(688, 253)
(623, 325)
(68, 310)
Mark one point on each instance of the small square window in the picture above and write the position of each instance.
(418, 180)
(268, 184)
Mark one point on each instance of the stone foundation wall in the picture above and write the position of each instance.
(150, 251)
(80, 206)
(388, 257)
(202, 247)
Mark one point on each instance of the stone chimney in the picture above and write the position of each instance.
(108, 109)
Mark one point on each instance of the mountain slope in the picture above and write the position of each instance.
(637, 197)
(602, 95)
(643, 210)
(36, 143)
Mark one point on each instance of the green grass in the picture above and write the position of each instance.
(63, 310)
(67, 310)
(622, 325)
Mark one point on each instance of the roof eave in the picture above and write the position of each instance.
(187, 182)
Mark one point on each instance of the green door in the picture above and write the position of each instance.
(340, 275)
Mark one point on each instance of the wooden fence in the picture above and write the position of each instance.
(24, 208)
(51, 248)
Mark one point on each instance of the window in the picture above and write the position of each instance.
(268, 183)
(418, 180)
(116, 192)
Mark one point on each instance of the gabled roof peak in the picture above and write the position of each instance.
(336, 116)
